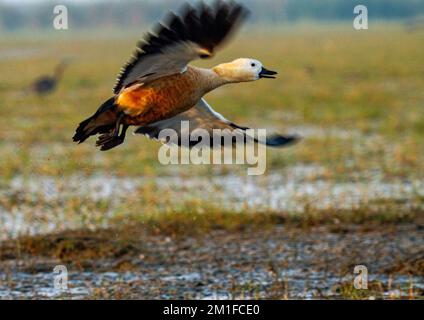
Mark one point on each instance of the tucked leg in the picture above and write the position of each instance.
(112, 139)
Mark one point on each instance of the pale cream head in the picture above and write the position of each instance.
(243, 70)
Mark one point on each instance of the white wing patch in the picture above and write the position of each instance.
(202, 116)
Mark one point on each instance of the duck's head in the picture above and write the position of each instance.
(243, 70)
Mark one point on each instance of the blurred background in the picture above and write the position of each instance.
(85, 14)
(355, 96)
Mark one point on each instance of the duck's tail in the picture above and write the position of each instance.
(102, 121)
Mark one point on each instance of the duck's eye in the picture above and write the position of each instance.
(253, 65)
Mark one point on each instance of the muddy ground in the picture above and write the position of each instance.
(278, 262)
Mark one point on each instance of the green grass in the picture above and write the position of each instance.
(368, 84)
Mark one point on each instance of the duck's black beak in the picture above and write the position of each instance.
(265, 73)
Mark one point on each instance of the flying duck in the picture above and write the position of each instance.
(157, 88)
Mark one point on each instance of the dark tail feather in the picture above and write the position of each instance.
(81, 134)
(97, 123)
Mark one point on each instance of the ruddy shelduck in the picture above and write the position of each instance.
(157, 89)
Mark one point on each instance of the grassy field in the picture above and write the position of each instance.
(356, 97)
(364, 83)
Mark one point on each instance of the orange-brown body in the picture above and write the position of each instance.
(141, 104)
(163, 98)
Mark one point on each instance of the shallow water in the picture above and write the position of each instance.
(280, 262)
(80, 285)
(39, 207)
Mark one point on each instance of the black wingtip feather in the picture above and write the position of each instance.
(207, 26)
(274, 140)
(279, 141)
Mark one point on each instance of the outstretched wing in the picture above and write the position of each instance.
(193, 34)
(202, 116)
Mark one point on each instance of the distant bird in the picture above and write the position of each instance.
(309, 69)
(157, 89)
(47, 84)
